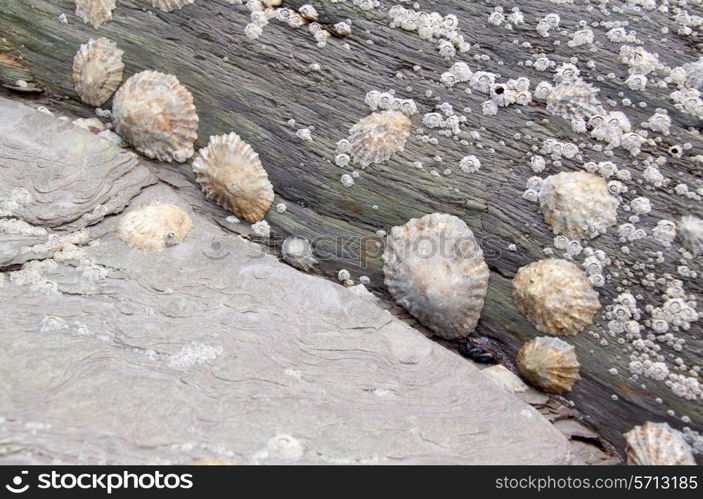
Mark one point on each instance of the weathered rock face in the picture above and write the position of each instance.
(208, 349)
(206, 46)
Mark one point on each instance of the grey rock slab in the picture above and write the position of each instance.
(204, 350)
(57, 175)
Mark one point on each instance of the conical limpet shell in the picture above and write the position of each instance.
(230, 173)
(691, 234)
(434, 267)
(657, 444)
(97, 71)
(169, 5)
(155, 114)
(378, 136)
(577, 204)
(556, 295)
(549, 363)
(297, 251)
(154, 227)
(95, 12)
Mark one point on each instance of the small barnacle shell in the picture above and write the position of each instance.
(155, 114)
(230, 173)
(97, 71)
(154, 227)
(577, 204)
(691, 234)
(378, 136)
(95, 12)
(657, 444)
(549, 363)
(434, 267)
(556, 296)
(297, 252)
(169, 5)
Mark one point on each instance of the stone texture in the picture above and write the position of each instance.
(208, 349)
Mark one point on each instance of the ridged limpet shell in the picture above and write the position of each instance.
(97, 71)
(155, 114)
(434, 267)
(155, 226)
(378, 136)
(230, 173)
(691, 234)
(577, 204)
(95, 12)
(657, 444)
(556, 296)
(549, 363)
(169, 5)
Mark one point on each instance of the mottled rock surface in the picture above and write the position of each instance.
(209, 349)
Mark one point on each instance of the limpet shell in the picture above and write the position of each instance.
(577, 204)
(657, 444)
(434, 267)
(378, 136)
(155, 114)
(549, 363)
(95, 12)
(556, 296)
(298, 252)
(169, 5)
(691, 234)
(97, 71)
(230, 173)
(155, 226)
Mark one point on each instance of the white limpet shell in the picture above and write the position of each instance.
(155, 114)
(505, 379)
(378, 136)
(556, 296)
(155, 226)
(549, 363)
(97, 71)
(434, 267)
(657, 444)
(95, 12)
(691, 234)
(169, 5)
(230, 173)
(577, 204)
(298, 252)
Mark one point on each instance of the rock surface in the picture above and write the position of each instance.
(209, 349)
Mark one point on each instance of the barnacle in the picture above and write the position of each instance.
(577, 204)
(154, 227)
(434, 267)
(230, 173)
(95, 12)
(378, 136)
(297, 251)
(169, 5)
(154, 113)
(691, 233)
(549, 363)
(657, 444)
(97, 71)
(556, 296)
